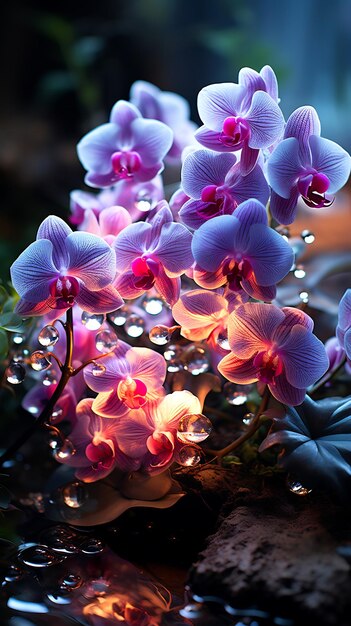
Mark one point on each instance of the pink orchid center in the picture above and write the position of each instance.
(64, 289)
(235, 132)
(126, 164)
(312, 188)
(268, 365)
(236, 271)
(145, 272)
(218, 202)
(100, 452)
(132, 391)
(161, 444)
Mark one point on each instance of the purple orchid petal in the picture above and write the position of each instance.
(284, 392)
(200, 310)
(214, 241)
(292, 317)
(253, 185)
(149, 367)
(344, 319)
(91, 260)
(162, 217)
(237, 370)
(33, 270)
(152, 140)
(253, 289)
(105, 300)
(108, 379)
(252, 326)
(101, 180)
(167, 412)
(252, 81)
(55, 230)
(26, 308)
(202, 168)
(284, 209)
(270, 256)
(168, 288)
(347, 343)
(174, 249)
(113, 220)
(107, 404)
(304, 356)
(266, 120)
(96, 148)
(248, 159)
(123, 113)
(124, 284)
(192, 213)
(301, 124)
(271, 82)
(90, 223)
(217, 102)
(91, 474)
(251, 212)
(209, 280)
(284, 167)
(130, 244)
(331, 160)
(132, 432)
(212, 140)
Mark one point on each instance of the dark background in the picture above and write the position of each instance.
(63, 65)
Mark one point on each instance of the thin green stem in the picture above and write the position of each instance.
(44, 416)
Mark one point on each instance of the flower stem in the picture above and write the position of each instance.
(47, 411)
(250, 431)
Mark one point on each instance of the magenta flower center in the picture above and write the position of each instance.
(235, 132)
(64, 289)
(236, 271)
(218, 202)
(100, 453)
(133, 392)
(268, 366)
(312, 188)
(126, 164)
(145, 272)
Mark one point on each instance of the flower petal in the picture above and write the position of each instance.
(172, 407)
(301, 124)
(132, 432)
(284, 167)
(148, 366)
(174, 249)
(108, 404)
(202, 168)
(105, 300)
(304, 356)
(217, 102)
(168, 288)
(253, 185)
(214, 241)
(271, 82)
(248, 159)
(152, 140)
(91, 260)
(284, 209)
(130, 244)
(95, 148)
(332, 160)
(56, 230)
(108, 379)
(270, 255)
(286, 393)
(201, 310)
(211, 139)
(123, 113)
(113, 220)
(33, 270)
(266, 120)
(252, 326)
(237, 370)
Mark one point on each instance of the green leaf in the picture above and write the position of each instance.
(11, 321)
(4, 344)
(5, 497)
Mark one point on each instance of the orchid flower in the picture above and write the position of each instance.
(305, 164)
(343, 330)
(169, 108)
(96, 449)
(242, 251)
(153, 254)
(127, 148)
(107, 224)
(124, 193)
(149, 434)
(215, 186)
(239, 117)
(62, 268)
(276, 347)
(131, 377)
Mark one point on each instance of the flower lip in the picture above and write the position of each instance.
(235, 132)
(269, 365)
(126, 164)
(145, 272)
(64, 289)
(132, 391)
(312, 188)
(236, 271)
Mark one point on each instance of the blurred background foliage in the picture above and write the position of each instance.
(64, 64)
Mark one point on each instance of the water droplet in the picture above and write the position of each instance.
(296, 487)
(194, 428)
(98, 369)
(134, 325)
(153, 305)
(304, 296)
(299, 271)
(237, 394)
(174, 366)
(284, 231)
(172, 352)
(65, 451)
(92, 321)
(298, 247)
(50, 379)
(160, 335)
(307, 236)
(39, 556)
(74, 495)
(56, 414)
(15, 373)
(13, 574)
(18, 338)
(56, 599)
(48, 336)
(92, 546)
(120, 316)
(196, 360)
(189, 456)
(192, 610)
(248, 418)
(72, 581)
(97, 587)
(19, 356)
(222, 340)
(143, 201)
(39, 361)
(63, 546)
(106, 340)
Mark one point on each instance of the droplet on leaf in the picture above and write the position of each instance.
(65, 451)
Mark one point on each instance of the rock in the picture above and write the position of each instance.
(281, 553)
